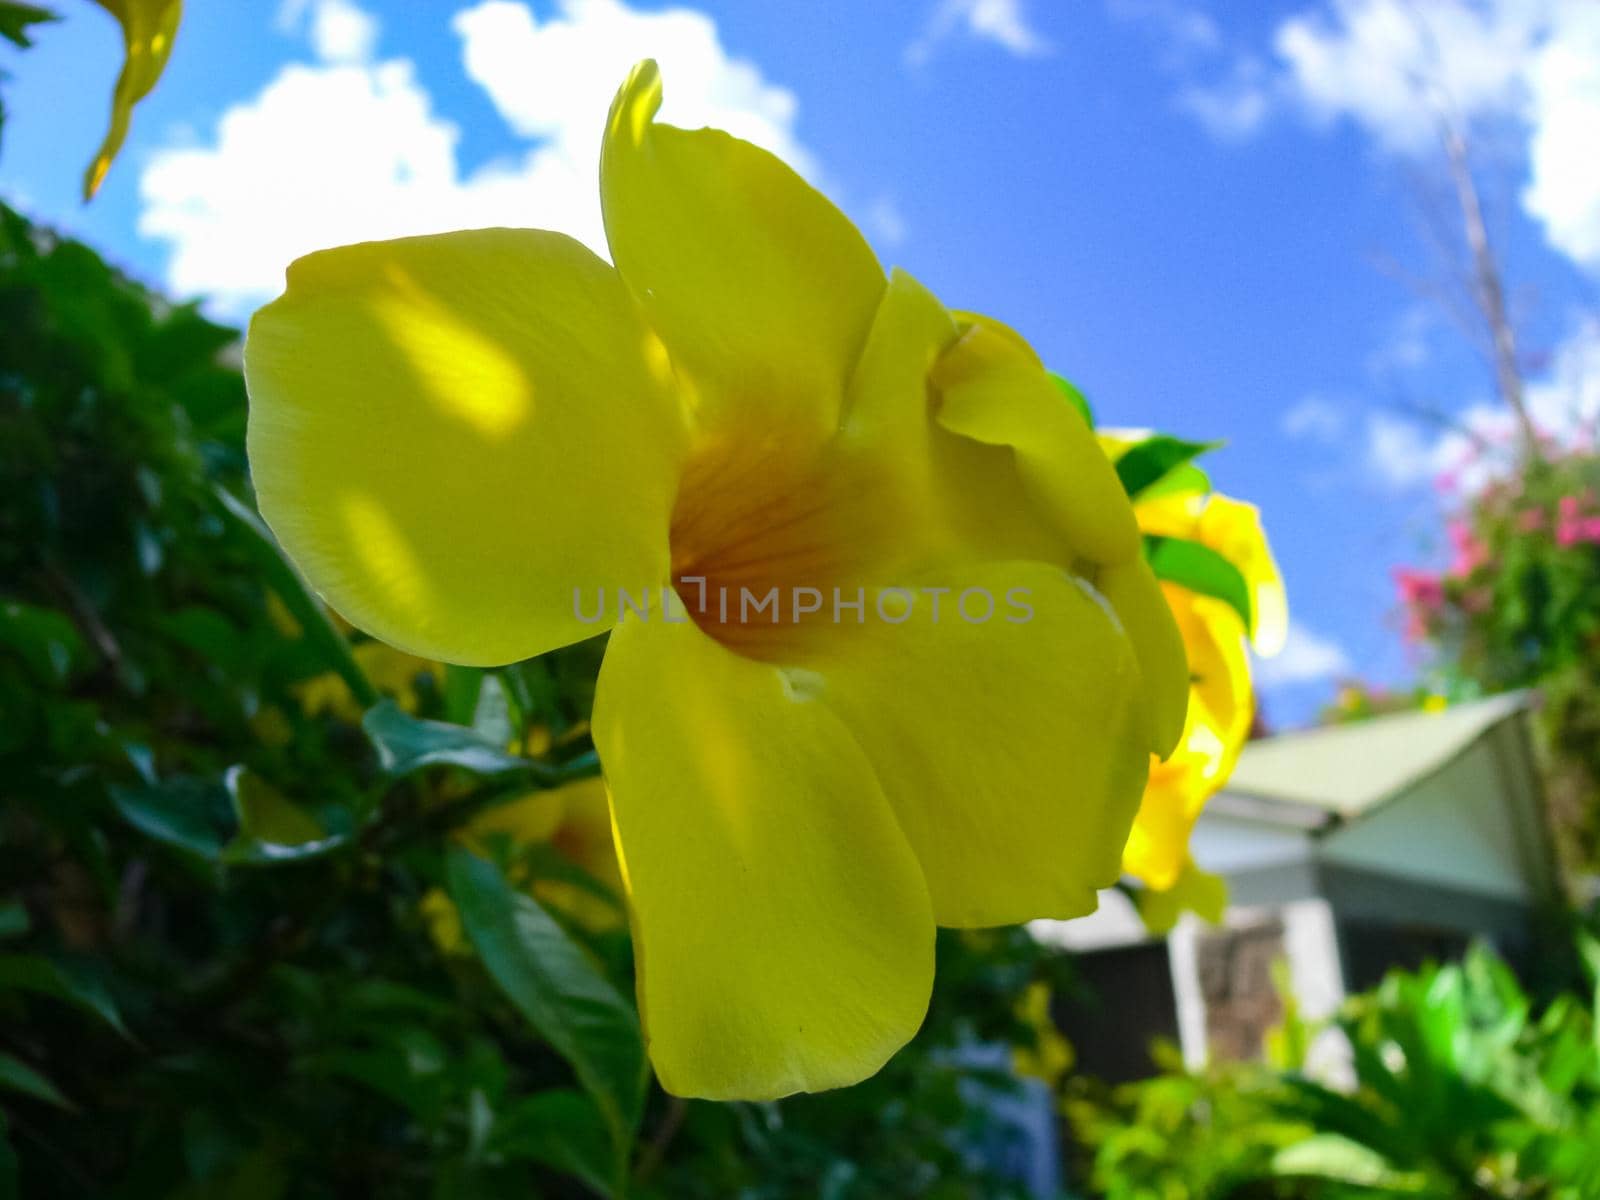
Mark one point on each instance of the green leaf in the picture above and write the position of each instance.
(1152, 460)
(1200, 569)
(188, 814)
(561, 1129)
(265, 814)
(491, 714)
(13, 918)
(20, 1077)
(15, 19)
(271, 828)
(557, 988)
(1185, 480)
(1331, 1156)
(76, 984)
(462, 686)
(10, 1188)
(46, 641)
(307, 612)
(406, 744)
(1077, 399)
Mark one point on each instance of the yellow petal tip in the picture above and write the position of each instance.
(637, 102)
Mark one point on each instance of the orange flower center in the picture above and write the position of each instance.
(770, 538)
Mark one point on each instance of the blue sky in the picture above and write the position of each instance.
(1183, 205)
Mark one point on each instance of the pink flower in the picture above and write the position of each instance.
(1589, 530)
(1422, 593)
(1420, 589)
(1530, 520)
(1569, 524)
(1470, 552)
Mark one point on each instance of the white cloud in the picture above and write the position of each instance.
(340, 32)
(1306, 657)
(1563, 403)
(885, 222)
(1400, 453)
(1408, 344)
(1235, 107)
(351, 148)
(1314, 419)
(554, 80)
(1001, 22)
(1392, 67)
(1184, 30)
(1564, 114)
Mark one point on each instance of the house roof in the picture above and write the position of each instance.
(1339, 773)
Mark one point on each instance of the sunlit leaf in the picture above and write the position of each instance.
(1185, 480)
(1200, 569)
(1330, 1156)
(1149, 462)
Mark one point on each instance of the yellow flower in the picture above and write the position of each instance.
(1051, 1055)
(465, 440)
(1233, 529)
(148, 30)
(392, 672)
(1221, 699)
(574, 819)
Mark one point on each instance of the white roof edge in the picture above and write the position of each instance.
(1346, 771)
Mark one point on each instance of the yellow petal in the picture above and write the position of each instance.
(760, 287)
(1159, 842)
(584, 835)
(1134, 593)
(1222, 701)
(1013, 751)
(1221, 709)
(148, 30)
(443, 921)
(451, 434)
(584, 839)
(782, 928)
(1233, 529)
(525, 821)
(949, 497)
(993, 389)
